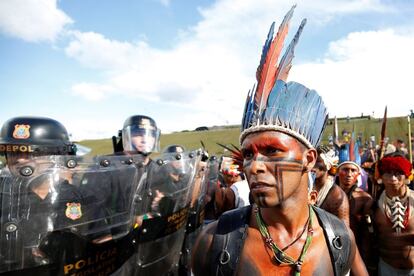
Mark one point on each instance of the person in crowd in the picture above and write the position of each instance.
(281, 126)
(394, 220)
(234, 192)
(360, 203)
(33, 148)
(330, 196)
(139, 135)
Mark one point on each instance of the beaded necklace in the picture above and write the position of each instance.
(279, 255)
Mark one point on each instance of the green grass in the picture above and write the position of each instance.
(396, 128)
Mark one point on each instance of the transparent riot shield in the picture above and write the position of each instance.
(68, 215)
(169, 185)
(211, 178)
(195, 218)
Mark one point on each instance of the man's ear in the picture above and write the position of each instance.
(313, 196)
(309, 159)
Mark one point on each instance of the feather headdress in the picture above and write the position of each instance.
(274, 104)
(349, 152)
(236, 154)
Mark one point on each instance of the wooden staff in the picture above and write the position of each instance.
(410, 149)
(380, 154)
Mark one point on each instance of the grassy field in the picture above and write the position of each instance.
(397, 127)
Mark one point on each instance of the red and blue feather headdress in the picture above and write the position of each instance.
(274, 104)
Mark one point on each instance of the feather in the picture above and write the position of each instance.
(352, 145)
(266, 72)
(265, 50)
(281, 74)
(249, 109)
(246, 107)
(286, 61)
(236, 154)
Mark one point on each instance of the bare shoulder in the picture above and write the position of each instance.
(201, 250)
(362, 194)
(338, 193)
(337, 203)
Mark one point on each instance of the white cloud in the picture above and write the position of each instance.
(94, 50)
(196, 71)
(363, 72)
(91, 127)
(165, 3)
(92, 91)
(213, 64)
(32, 20)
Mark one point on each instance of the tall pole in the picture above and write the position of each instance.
(410, 149)
(380, 155)
(335, 132)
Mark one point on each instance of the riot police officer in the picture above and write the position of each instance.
(139, 134)
(50, 220)
(22, 139)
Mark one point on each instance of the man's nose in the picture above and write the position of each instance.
(257, 166)
(394, 176)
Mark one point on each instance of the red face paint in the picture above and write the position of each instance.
(273, 166)
(348, 175)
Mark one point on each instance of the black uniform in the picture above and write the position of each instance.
(65, 208)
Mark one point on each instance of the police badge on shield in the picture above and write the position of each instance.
(73, 210)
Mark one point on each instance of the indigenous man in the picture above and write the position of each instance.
(360, 203)
(394, 221)
(281, 233)
(330, 197)
(235, 191)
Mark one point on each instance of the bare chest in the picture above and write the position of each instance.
(397, 250)
(386, 232)
(258, 259)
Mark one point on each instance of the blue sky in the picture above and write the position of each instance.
(92, 63)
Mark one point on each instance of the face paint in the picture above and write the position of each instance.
(273, 166)
(348, 175)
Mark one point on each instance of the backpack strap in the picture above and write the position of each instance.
(228, 241)
(338, 241)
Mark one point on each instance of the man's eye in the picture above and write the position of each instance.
(247, 154)
(271, 150)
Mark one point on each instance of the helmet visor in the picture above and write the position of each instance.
(143, 140)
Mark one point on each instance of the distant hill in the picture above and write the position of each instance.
(364, 126)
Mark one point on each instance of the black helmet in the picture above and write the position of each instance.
(174, 149)
(35, 135)
(140, 134)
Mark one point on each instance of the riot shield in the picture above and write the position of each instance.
(212, 175)
(169, 185)
(67, 215)
(195, 218)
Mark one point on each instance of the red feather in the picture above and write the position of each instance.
(267, 75)
(236, 155)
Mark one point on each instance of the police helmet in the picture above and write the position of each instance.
(174, 149)
(35, 135)
(140, 134)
